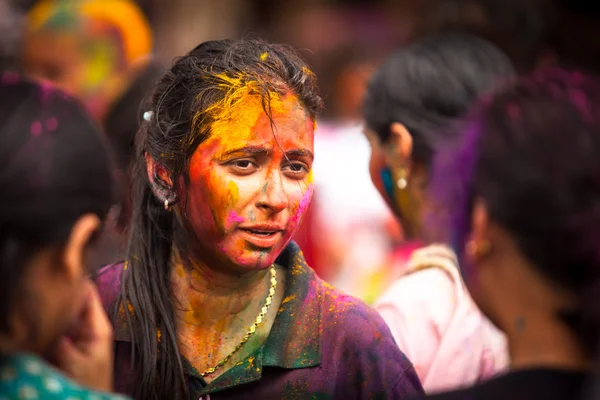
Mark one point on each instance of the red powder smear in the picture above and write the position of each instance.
(10, 78)
(51, 124)
(36, 128)
(234, 218)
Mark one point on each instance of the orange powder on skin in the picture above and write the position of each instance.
(246, 124)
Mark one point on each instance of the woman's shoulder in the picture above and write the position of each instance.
(355, 333)
(353, 321)
(26, 376)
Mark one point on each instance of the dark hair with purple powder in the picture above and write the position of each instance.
(531, 153)
(54, 168)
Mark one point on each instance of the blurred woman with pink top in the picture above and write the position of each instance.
(412, 101)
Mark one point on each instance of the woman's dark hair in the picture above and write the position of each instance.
(531, 154)
(185, 103)
(54, 168)
(429, 85)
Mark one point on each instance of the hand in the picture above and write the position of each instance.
(87, 353)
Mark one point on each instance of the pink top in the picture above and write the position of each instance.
(438, 326)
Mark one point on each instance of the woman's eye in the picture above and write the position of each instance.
(242, 167)
(297, 170)
(243, 164)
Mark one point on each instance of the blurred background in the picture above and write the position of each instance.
(349, 237)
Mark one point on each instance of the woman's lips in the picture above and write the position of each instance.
(262, 237)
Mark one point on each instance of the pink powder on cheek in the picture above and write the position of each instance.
(234, 219)
(303, 205)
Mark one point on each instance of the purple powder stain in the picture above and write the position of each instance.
(51, 124)
(36, 128)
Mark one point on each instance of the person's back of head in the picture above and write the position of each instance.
(411, 103)
(521, 199)
(430, 84)
(56, 175)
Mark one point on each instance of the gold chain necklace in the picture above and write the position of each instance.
(253, 327)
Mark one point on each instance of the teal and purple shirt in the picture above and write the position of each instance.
(323, 344)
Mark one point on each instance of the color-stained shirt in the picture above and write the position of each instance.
(323, 344)
(25, 376)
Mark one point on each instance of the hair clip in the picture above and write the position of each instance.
(148, 115)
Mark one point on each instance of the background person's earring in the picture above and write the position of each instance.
(402, 182)
(167, 208)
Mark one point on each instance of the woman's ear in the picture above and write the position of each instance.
(479, 245)
(159, 178)
(400, 146)
(74, 252)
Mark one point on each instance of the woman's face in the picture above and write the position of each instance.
(250, 182)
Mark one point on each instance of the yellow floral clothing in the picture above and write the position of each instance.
(27, 377)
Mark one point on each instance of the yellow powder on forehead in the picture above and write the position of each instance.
(235, 87)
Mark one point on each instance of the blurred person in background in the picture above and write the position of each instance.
(56, 176)
(411, 104)
(348, 210)
(214, 300)
(519, 197)
(99, 51)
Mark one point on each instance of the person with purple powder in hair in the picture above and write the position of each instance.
(56, 179)
(519, 196)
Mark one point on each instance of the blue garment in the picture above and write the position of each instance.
(27, 377)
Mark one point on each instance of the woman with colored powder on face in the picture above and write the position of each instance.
(520, 196)
(411, 102)
(56, 179)
(214, 301)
